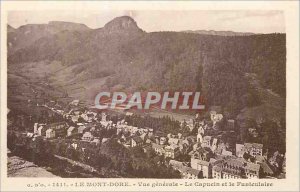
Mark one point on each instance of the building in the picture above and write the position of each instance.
(172, 151)
(87, 136)
(50, 133)
(266, 168)
(202, 154)
(206, 141)
(252, 170)
(159, 149)
(189, 173)
(57, 125)
(239, 150)
(81, 129)
(203, 166)
(72, 130)
(136, 141)
(42, 131)
(173, 141)
(199, 138)
(236, 168)
(214, 144)
(61, 132)
(162, 140)
(217, 171)
(233, 169)
(215, 117)
(254, 149)
(59, 128)
(35, 128)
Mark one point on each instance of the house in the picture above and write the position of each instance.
(206, 141)
(189, 173)
(202, 154)
(87, 136)
(179, 135)
(103, 117)
(239, 150)
(42, 131)
(71, 130)
(74, 119)
(74, 145)
(60, 132)
(81, 129)
(221, 147)
(233, 169)
(215, 117)
(159, 149)
(199, 138)
(254, 149)
(136, 141)
(252, 170)
(162, 141)
(35, 128)
(236, 168)
(59, 128)
(266, 168)
(214, 144)
(196, 146)
(173, 141)
(55, 126)
(50, 133)
(104, 140)
(172, 151)
(203, 166)
(217, 171)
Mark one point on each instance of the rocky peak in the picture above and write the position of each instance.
(122, 25)
(68, 25)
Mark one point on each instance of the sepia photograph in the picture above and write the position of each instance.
(146, 94)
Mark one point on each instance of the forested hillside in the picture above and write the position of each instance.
(122, 56)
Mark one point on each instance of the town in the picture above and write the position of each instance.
(200, 147)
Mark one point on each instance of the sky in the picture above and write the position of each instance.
(256, 21)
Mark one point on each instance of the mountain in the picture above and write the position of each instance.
(80, 62)
(27, 34)
(221, 33)
(124, 25)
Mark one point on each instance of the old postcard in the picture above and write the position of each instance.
(149, 96)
